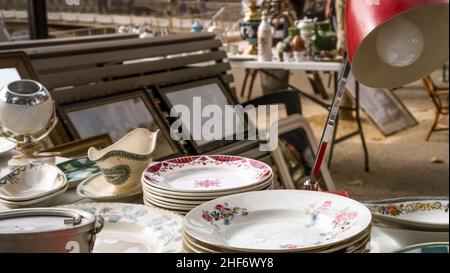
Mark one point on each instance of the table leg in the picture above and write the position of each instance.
(333, 142)
(244, 84)
(252, 82)
(360, 128)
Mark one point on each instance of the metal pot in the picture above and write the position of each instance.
(48, 230)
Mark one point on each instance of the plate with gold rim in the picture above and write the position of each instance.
(417, 213)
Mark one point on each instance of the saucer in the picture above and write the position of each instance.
(98, 189)
(6, 145)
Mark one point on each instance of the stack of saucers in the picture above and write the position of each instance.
(32, 185)
(278, 221)
(184, 183)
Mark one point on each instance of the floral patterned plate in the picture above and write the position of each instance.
(131, 228)
(212, 173)
(277, 221)
(78, 169)
(417, 213)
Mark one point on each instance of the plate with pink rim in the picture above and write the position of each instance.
(277, 221)
(207, 173)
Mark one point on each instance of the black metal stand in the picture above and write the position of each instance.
(251, 73)
(37, 19)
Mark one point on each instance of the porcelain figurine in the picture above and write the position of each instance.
(123, 162)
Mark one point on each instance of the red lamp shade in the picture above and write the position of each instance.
(394, 42)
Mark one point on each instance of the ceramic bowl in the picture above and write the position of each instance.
(31, 181)
(45, 201)
(123, 162)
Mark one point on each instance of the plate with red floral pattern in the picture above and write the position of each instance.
(207, 173)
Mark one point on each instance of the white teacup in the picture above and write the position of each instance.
(123, 162)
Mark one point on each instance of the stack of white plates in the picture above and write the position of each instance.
(32, 185)
(182, 184)
(278, 221)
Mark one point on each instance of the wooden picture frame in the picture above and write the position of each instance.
(172, 95)
(80, 147)
(20, 62)
(125, 112)
(296, 131)
(383, 108)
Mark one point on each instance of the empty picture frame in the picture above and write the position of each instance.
(117, 116)
(15, 66)
(211, 92)
(383, 107)
(295, 154)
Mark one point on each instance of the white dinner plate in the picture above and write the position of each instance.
(207, 173)
(277, 221)
(203, 195)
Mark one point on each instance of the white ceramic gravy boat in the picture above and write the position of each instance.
(123, 162)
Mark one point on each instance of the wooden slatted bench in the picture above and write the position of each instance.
(111, 67)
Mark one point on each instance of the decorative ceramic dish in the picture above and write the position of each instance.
(277, 221)
(31, 181)
(425, 248)
(204, 195)
(38, 202)
(419, 213)
(131, 228)
(97, 188)
(78, 169)
(6, 145)
(386, 240)
(212, 173)
(123, 162)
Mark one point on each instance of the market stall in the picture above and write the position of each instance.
(134, 144)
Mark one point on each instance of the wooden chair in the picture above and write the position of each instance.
(438, 95)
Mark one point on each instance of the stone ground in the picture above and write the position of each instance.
(400, 165)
